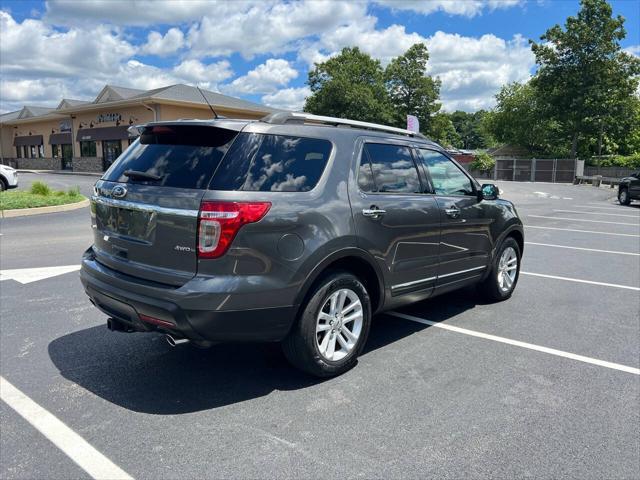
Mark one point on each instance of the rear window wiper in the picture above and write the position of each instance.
(143, 175)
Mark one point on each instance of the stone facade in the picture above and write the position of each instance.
(34, 163)
(87, 164)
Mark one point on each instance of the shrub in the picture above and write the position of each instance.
(483, 162)
(74, 191)
(40, 188)
(629, 161)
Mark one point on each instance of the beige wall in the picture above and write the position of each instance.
(137, 114)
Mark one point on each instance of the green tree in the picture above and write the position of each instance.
(411, 91)
(469, 127)
(519, 118)
(349, 85)
(441, 130)
(584, 78)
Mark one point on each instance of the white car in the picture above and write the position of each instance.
(8, 177)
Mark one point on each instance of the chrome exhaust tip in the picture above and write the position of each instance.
(174, 342)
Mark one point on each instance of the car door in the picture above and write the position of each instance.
(394, 220)
(465, 241)
(634, 185)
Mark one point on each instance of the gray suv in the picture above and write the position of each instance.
(294, 229)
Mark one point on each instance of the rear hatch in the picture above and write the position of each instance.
(145, 210)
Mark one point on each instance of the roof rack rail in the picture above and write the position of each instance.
(280, 118)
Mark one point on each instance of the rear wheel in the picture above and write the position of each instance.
(505, 270)
(623, 196)
(332, 327)
(3, 185)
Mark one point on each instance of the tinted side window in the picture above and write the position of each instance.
(182, 156)
(273, 163)
(446, 177)
(393, 168)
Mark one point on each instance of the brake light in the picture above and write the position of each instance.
(219, 222)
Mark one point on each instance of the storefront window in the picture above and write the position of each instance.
(32, 151)
(25, 150)
(41, 151)
(19, 152)
(88, 149)
(54, 151)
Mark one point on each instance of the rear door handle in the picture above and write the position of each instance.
(452, 212)
(373, 212)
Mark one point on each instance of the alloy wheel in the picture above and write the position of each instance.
(507, 269)
(339, 324)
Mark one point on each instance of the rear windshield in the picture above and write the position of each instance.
(275, 163)
(183, 156)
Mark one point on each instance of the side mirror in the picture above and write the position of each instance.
(489, 192)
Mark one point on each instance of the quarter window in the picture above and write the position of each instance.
(392, 168)
(272, 163)
(446, 176)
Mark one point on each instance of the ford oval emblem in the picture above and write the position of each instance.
(119, 191)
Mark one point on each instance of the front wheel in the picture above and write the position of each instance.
(505, 270)
(332, 327)
(623, 196)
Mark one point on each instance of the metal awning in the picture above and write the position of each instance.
(102, 133)
(27, 140)
(60, 138)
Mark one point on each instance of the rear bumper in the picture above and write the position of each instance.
(127, 299)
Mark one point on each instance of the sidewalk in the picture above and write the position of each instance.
(63, 172)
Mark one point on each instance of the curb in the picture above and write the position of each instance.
(25, 212)
(62, 172)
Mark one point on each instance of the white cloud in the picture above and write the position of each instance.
(33, 49)
(265, 78)
(197, 72)
(288, 98)
(466, 8)
(269, 27)
(472, 70)
(633, 50)
(160, 45)
(139, 12)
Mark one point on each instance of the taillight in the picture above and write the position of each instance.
(219, 222)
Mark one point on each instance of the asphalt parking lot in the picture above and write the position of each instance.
(545, 385)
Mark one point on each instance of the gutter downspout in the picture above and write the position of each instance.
(153, 109)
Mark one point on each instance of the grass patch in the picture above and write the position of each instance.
(40, 195)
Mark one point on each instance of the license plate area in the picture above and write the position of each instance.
(125, 222)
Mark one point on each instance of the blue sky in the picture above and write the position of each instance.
(262, 50)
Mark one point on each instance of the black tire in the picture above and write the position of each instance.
(623, 196)
(3, 184)
(301, 345)
(489, 288)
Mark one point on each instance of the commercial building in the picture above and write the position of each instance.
(89, 135)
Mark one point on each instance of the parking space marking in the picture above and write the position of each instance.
(582, 231)
(517, 343)
(584, 220)
(581, 248)
(73, 445)
(579, 280)
(589, 206)
(598, 213)
(29, 275)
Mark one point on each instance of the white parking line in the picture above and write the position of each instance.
(517, 343)
(578, 280)
(589, 206)
(598, 213)
(582, 231)
(73, 445)
(583, 220)
(581, 248)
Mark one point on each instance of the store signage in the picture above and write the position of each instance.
(109, 117)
